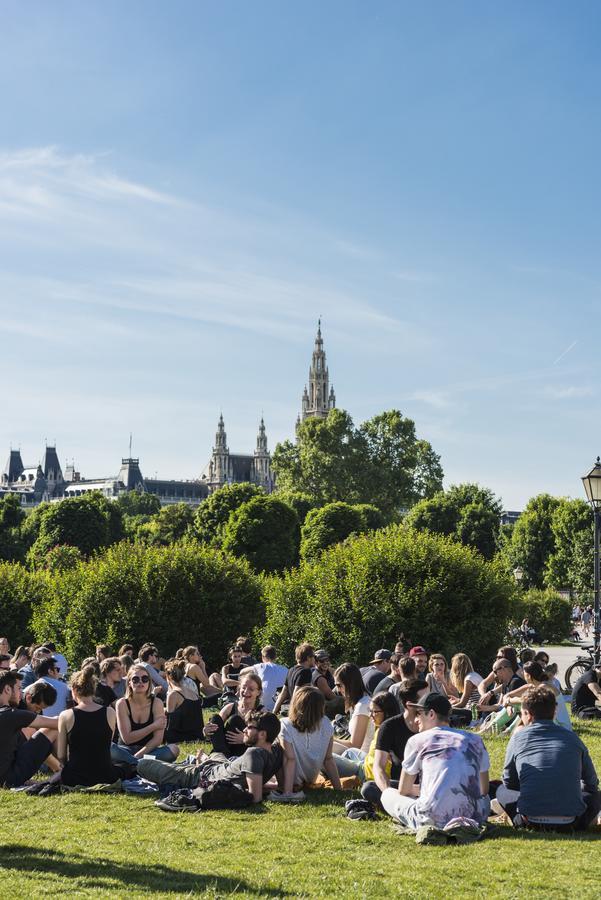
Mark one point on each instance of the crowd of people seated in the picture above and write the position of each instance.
(405, 729)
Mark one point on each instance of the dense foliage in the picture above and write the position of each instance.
(359, 595)
(89, 523)
(183, 594)
(329, 525)
(467, 512)
(547, 612)
(264, 531)
(213, 514)
(20, 592)
(381, 462)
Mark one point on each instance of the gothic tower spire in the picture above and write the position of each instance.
(319, 399)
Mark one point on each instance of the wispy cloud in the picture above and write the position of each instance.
(570, 393)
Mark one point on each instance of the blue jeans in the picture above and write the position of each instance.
(350, 763)
(122, 755)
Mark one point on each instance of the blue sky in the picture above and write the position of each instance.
(185, 187)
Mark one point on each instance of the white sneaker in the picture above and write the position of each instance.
(497, 808)
(292, 797)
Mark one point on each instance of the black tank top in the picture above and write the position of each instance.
(89, 750)
(185, 723)
(134, 727)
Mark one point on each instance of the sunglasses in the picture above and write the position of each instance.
(140, 679)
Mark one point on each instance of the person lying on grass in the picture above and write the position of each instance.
(261, 760)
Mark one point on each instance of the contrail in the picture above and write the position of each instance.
(561, 355)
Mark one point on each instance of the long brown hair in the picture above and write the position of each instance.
(307, 708)
(461, 667)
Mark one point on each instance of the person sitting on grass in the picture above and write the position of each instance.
(376, 670)
(260, 761)
(322, 678)
(452, 766)
(149, 658)
(127, 650)
(393, 678)
(141, 722)
(47, 670)
(230, 673)
(391, 740)
(465, 680)
(28, 671)
(111, 685)
(510, 655)
(245, 644)
(209, 687)
(184, 706)
(438, 678)
(349, 752)
(549, 780)
(272, 675)
(298, 675)
(20, 658)
(37, 698)
(536, 676)
(85, 735)
(225, 730)
(61, 659)
(306, 737)
(419, 655)
(587, 693)
(20, 758)
(505, 681)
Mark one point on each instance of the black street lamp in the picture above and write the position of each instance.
(592, 486)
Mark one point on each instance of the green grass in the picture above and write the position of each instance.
(122, 846)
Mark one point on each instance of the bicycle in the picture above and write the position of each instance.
(581, 665)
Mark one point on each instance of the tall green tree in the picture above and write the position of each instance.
(89, 523)
(467, 512)
(570, 565)
(381, 462)
(138, 503)
(265, 531)
(172, 523)
(533, 540)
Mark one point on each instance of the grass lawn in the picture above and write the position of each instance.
(122, 846)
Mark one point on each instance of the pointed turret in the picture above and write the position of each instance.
(13, 468)
(219, 465)
(261, 472)
(51, 468)
(320, 398)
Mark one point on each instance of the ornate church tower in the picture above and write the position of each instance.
(219, 465)
(262, 461)
(320, 398)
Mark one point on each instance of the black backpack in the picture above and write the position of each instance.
(222, 795)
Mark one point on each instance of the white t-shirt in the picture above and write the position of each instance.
(62, 663)
(310, 748)
(361, 708)
(273, 677)
(62, 694)
(474, 679)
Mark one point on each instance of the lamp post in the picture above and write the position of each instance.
(518, 574)
(592, 486)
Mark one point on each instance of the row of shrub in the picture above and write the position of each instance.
(355, 597)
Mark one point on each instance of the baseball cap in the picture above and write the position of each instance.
(380, 656)
(322, 655)
(417, 651)
(433, 701)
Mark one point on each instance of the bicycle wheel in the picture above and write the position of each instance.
(574, 672)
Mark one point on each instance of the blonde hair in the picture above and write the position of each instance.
(84, 682)
(128, 688)
(431, 663)
(461, 666)
(252, 676)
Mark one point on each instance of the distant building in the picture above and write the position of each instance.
(232, 468)
(46, 481)
(509, 517)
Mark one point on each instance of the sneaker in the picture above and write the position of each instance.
(497, 808)
(178, 801)
(292, 797)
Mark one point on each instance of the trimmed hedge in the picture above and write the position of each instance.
(173, 596)
(359, 595)
(20, 592)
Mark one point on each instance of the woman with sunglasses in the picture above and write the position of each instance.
(141, 721)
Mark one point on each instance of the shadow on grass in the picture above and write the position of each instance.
(99, 872)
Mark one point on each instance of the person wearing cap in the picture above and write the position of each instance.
(20, 758)
(452, 766)
(419, 655)
(586, 694)
(376, 670)
(323, 679)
